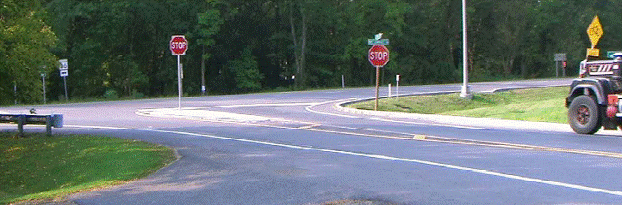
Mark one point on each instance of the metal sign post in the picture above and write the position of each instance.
(43, 79)
(179, 79)
(178, 46)
(64, 72)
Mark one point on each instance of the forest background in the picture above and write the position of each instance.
(120, 48)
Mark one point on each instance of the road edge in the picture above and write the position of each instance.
(486, 123)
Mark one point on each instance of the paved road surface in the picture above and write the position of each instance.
(299, 148)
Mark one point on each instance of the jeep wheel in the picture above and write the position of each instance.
(583, 115)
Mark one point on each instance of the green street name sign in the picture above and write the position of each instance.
(383, 42)
(611, 53)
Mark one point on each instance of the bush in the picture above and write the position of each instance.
(111, 94)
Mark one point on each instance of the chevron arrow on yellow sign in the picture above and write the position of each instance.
(595, 31)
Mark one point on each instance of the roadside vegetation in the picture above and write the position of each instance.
(120, 48)
(538, 105)
(38, 167)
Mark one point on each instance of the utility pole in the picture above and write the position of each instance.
(466, 91)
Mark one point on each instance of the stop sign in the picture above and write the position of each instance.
(378, 55)
(178, 45)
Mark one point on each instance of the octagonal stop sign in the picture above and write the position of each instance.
(178, 45)
(378, 55)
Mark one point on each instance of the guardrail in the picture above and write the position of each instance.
(52, 120)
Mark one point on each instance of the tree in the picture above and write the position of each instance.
(208, 25)
(25, 40)
(299, 41)
(246, 73)
(121, 45)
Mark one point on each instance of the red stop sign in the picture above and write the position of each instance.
(178, 45)
(378, 55)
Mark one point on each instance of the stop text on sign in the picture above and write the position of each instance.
(378, 55)
(178, 45)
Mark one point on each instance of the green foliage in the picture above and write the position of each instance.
(111, 94)
(40, 167)
(246, 73)
(25, 40)
(123, 44)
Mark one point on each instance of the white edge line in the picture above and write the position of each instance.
(480, 171)
(269, 105)
(94, 127)
(308, 108)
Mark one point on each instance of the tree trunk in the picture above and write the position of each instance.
(299, 50)
(303, 47)
(523, 67)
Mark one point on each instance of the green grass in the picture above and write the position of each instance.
(538, 105)
(39, 167)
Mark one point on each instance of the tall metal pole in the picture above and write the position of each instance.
(179, 79)
(465, 93)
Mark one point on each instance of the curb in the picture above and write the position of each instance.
(459, 120)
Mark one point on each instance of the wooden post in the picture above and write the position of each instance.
(377, 86)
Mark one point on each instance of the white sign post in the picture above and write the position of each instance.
(397, 86)
(64, 72)
(178, 46)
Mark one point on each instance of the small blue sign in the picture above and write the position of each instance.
(610, 54)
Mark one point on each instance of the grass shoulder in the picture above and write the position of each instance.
(537, 104)
(38, 167)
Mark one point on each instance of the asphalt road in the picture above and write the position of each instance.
(300, 148)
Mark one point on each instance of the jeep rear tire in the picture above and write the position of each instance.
(583, 115)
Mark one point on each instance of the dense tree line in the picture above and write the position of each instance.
(120, 47)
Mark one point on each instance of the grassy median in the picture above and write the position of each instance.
(538, 105)
(38, 167)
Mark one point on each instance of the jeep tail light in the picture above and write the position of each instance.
(613, 100)
(612, 109)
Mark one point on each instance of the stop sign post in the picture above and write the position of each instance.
(178, 46)
(378, 56)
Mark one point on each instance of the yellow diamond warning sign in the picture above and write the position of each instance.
(595, 31)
